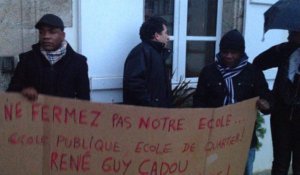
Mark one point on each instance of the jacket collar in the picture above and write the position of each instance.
(66, 58)
(157, 45)
(36, 48)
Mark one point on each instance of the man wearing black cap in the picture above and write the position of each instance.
(285, 118)
(231, 79)
(52, 67)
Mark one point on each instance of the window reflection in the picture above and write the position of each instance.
(199, 54)
(201, 21)
(163, 8)
(202, 17)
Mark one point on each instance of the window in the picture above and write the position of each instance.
(194, 29)
(161, 8)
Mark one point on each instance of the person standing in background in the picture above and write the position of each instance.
(285, 118)
(146, 80)
(231, 79)
(52, 67)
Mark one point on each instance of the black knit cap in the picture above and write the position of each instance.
(233, 40)
(50, 20)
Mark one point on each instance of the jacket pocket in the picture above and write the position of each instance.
(216, 88)
(244, 89)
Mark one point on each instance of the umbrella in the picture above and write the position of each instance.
(284, 14)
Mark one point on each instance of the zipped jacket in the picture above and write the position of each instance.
(147, 81)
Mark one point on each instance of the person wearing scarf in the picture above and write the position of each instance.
(52, 67)
(231, 79)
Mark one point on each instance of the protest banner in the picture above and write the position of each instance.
(54, 136)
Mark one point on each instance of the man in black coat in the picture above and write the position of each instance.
(146, 80)
(285, 118)
(52, 67)
(231, 79)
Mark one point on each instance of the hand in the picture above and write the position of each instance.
(30, 93)
(263, 105)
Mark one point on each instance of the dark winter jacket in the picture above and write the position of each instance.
(284, 90)
(211, 88)
(146, 80)
(66, 78)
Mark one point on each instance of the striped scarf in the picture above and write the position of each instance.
(228, 73)
(54, 56)
(294, 65)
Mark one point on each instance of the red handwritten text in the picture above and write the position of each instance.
(87, 143)
(158, 149)
(224, 142)
(24, 139)
(58, 114)
(161, 123)
(189, 147)
(220, 122)
(69, 162)
(162, 168)
(121, 121)
(12, 110)
(112, 165)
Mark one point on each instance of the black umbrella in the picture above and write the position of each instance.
(284, 14)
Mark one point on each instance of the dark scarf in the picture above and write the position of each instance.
(228, 73)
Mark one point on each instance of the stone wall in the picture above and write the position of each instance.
(17, 20)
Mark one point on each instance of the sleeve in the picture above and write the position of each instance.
(83, 83)
(200, 96)
(135, 79)
(262, 90)
(18, 80)
(269, 58)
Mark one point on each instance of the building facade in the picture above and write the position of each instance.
(106, 30)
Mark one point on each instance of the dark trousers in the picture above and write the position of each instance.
(286, 145)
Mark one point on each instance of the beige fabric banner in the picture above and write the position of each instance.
(61, 136)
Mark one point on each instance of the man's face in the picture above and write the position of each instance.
(230, 58)
(163, 37)
(51, 38)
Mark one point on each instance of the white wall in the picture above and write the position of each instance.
(109, 30)
(72, 32)
(254, 20)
